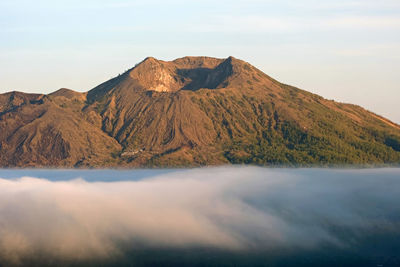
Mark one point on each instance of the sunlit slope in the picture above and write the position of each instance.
(191, 111)
(52, 131)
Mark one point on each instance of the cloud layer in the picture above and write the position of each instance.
(234, 209)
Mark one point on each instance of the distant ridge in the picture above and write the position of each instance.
(191, 111)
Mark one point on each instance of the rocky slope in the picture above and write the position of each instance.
(190, 111)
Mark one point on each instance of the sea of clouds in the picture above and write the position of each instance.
(227, 208)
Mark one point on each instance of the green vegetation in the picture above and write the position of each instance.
(289, 145)
(336, 140)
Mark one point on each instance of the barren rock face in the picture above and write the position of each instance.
(154, 75)
(185, 74)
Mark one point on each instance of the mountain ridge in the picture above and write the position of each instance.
(188, 112)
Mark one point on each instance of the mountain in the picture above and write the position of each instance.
(189, 112)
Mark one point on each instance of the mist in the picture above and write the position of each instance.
(231, 209)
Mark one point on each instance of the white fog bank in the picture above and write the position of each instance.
(231, 208)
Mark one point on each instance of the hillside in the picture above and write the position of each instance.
(188, 112)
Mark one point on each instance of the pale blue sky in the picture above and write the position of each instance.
(341, 49)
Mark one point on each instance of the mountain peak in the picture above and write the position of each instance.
(187, 73)
(68, 94)
(155, 75)
(149, 60)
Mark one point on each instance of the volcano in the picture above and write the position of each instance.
(192, 111)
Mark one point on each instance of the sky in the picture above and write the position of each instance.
(346, 50)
